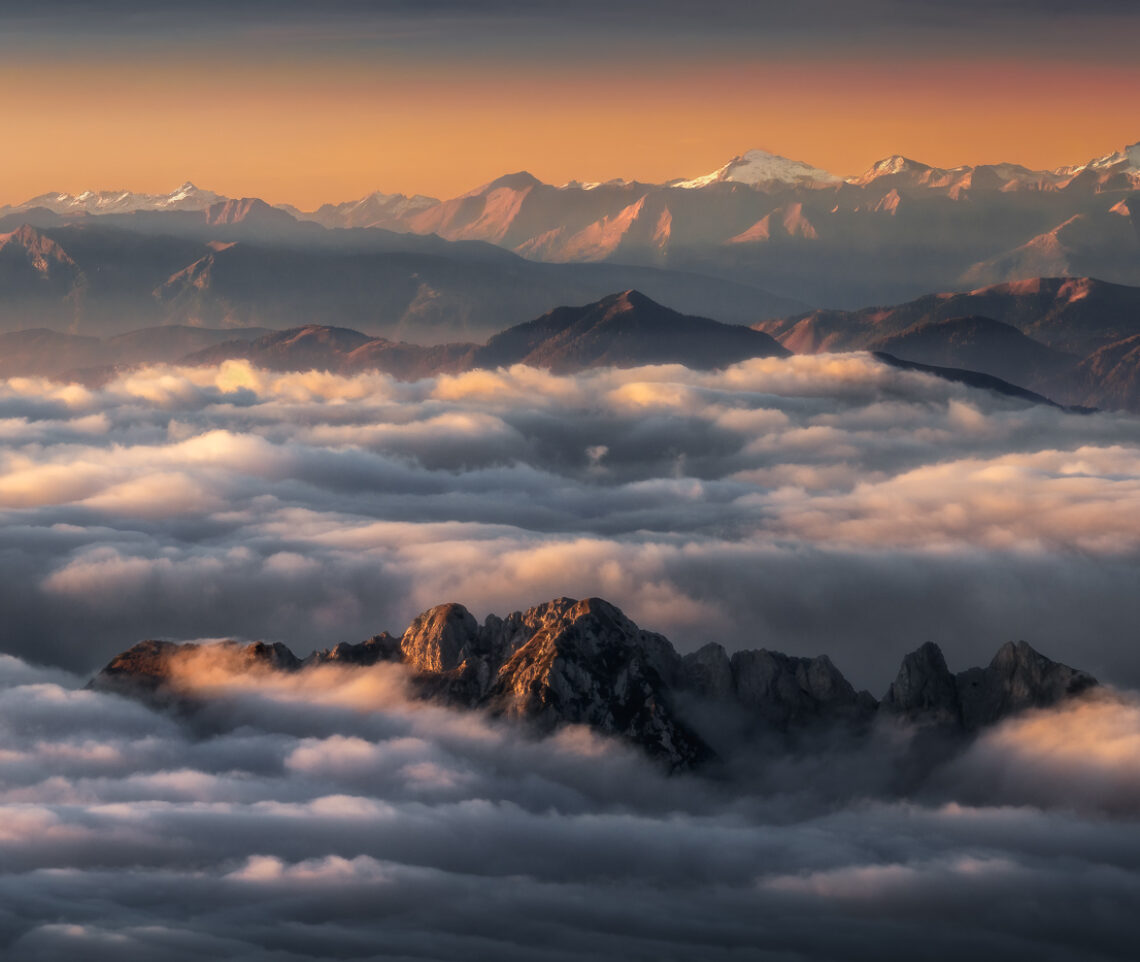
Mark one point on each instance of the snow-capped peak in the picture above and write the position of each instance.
(1129, 156)
(186, 197)
(889, 167)
(186, 190)
(1132, 156)
(760, 167)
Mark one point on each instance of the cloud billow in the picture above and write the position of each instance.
(334, 817)
(817, 504)
(813, 504)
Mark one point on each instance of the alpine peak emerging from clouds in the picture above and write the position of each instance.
(584, 662)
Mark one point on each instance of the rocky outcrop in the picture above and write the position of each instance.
(584, 662)
(381, 647)
(1017, 679)
(781, 690)
(153, 667)
(924, 688)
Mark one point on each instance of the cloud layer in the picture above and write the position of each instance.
(337, 819)
(818, 504)
(815, 504)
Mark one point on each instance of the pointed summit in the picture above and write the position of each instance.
(521, 180)
(761, 167)
(891, 166)
(626, 329)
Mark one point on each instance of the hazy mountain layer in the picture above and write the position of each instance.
(112, 274)
(891, 233)
(1042, 334)
(622, 330)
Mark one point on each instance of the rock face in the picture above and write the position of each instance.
(150, 665)
(584, 662)
(381, 647)
(924, 688)
(1018, 678)
(781, 690)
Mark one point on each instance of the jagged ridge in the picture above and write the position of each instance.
(585, 662)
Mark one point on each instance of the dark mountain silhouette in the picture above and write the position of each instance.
(621, 330)
(235, 265)
(974, 379)
(1075, 315)
(1111, 375)
(1040, 333)
(979, 344)
(624, 330)
(53, 354)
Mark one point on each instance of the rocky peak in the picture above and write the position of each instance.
(571, 661)
(587, 663)
(145, 666)
(440, 639)
(924, 687)
(260, 655)
(38, 250)
(381, 647)
(151, 667)
(784, 690)
(708, 672)
(1018, 678)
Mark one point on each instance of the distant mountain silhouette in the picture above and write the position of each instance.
(624, 330)
(621, 330)
(897, 230)
(1040, 333)
(245, 264)
(979, 344)
(51, 353)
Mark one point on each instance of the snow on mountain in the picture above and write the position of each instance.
(1129, 157)
(373, 210)
(185, 197)
(761, 167)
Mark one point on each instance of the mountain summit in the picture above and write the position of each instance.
(761, 167)
(584, 662)
(623, 330)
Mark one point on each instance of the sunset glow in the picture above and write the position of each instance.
(569, 480)
(305, 126)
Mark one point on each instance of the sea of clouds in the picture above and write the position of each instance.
(816, 504)
(330, 816)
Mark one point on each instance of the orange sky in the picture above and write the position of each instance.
(346, 129)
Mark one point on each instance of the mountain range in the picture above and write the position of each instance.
(1076, 340)
(621, 330)
(900, 229)
(584, 662)
(1094, 329)
(249, 265)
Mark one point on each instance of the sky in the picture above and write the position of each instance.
(307, 103)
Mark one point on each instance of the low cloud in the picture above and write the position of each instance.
(808, 504)
(336, 818)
